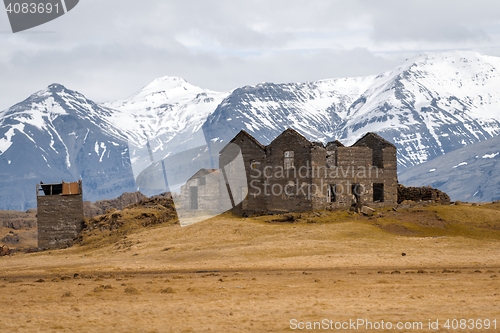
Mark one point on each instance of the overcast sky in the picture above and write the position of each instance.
(108, 49)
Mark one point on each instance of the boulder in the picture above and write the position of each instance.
(4, 251)
(11, 238)
(367, 211)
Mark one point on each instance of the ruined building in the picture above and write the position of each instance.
(202, 190)
(60, 214)
(293, 174)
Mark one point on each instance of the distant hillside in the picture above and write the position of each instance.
(91, 209)
(469, 174)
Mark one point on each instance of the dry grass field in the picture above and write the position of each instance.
(231, 274)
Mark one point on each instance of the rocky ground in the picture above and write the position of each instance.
(18, 229)
(102, 206)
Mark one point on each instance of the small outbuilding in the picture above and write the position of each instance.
(59, 214)
(201, 191)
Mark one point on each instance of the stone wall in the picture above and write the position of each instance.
(353, 166)
(60, 220)
(370, 163)
(422, 194)
(205, 184)
(285, 181)
(254, 159)
(377, 144)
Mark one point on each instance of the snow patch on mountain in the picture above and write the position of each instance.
(6, 141)
(491, 155)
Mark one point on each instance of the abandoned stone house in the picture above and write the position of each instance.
(59, 214)
(202, 190)
(293, 174)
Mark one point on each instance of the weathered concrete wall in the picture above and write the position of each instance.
(60, 220)
(289, 189)
(389, 175)
(206, 185)
(320, 177)
(376, 144)
(254, 158)
(209, 192)
(353, 165)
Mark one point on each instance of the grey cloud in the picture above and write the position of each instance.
(116, 71)
(109, 49)
(434, 21)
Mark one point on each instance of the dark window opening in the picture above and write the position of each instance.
(332, 159)
(356, 190)
(378, 192)
(332, 193)
(202, 181)
(378, 158)
(194, 197)
(52, 189)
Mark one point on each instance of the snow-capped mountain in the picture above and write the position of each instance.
(166, 117)
(467, 174)
(57, 134)
(427, 107)
(315, 109)
(431, 105)
(169, 113)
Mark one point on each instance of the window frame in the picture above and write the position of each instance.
(288, 159)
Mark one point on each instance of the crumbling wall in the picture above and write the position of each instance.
(60, 220)
(316, 173)
(254, 159)
(422, 194)
(282, 194)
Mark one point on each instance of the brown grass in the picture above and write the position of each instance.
(254, 275)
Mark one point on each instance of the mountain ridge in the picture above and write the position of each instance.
(429, 106)
(466, 174)
(57, 134)
(422, 116)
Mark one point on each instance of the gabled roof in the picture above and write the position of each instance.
(245, 134)
(335, 143)
(203, 172)
(381, 140)
(292, 132)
